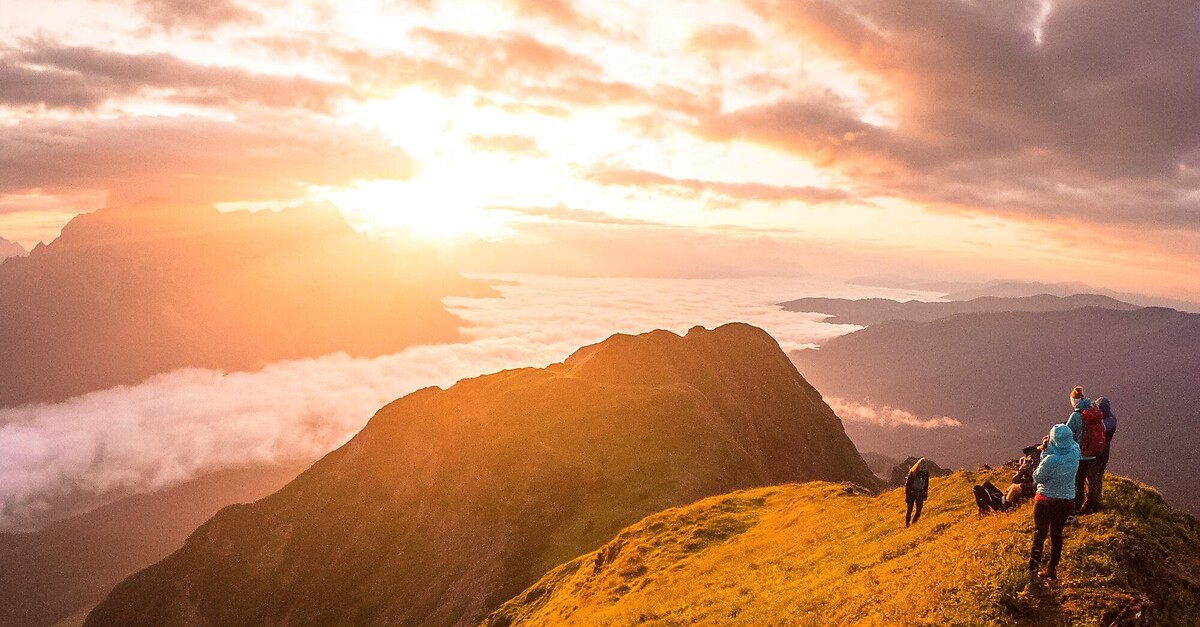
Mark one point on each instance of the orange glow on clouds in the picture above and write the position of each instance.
(841, 123)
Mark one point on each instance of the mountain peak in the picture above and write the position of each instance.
(451, 501)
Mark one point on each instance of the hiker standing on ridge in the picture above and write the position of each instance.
(1055, 500)
(916, 490)
(1101, 463)
(1087, 427)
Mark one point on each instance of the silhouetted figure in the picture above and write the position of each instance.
(916, 490)
(1055, 500)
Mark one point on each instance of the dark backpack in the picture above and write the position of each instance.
(1091, 435)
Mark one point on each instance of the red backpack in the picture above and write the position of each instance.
(1091, 436)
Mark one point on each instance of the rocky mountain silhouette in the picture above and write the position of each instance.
(10, 249)
(829, 554)
(123, 294)
(449, 502)
(1006, 378)
(870, 311)
(71, 565)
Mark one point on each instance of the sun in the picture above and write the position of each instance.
(428, 209)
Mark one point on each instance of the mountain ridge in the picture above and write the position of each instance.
(828, 554)
(453, 500)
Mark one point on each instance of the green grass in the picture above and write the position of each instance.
(827, 554)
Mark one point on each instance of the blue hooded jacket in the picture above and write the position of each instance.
(1055, 474)
(1075, 420)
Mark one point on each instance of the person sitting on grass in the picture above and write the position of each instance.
(916, 490)
(1055, 500)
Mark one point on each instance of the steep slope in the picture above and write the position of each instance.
(451, 501)
(123, 294)
(868, 311)
(73, 564)
(826, 554)
(1006, 377)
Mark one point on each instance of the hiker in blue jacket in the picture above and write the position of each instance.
(1055, 500)
(1101, 463)
(1083, 477)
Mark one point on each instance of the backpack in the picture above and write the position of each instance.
(1091, 435)
(918, 484)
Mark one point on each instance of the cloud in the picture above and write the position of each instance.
(562, 213)
(197, 14)
(47, 74)
(179, 425)
(694, 188)
(511, 66)
(720, 39)
(1086, 112)
(890, 417)
(192, 159)
(558, 12)
(521, 145)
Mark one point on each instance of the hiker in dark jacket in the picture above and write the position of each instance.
(1084, 478)
(1101, 463)
(916, 490)
(1055, 500)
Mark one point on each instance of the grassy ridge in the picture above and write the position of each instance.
(830, 554)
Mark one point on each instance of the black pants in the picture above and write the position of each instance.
(908, 512)
(1086, 476)
(1049, 515)
(1099, 465)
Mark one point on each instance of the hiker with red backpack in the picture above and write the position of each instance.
(1087, 427)
(1101, 463)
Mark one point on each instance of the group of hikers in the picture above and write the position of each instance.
(1064, 475)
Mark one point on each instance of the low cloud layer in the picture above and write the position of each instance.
(177, 426)
(884, 416)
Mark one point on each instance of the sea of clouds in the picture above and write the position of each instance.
(180, 425)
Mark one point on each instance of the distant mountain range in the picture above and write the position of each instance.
(966, 290)
(11, 249)
(452, 501)
(72, 565)
(1006, 377)
(869, 311)
(123, 294)
(828, 554)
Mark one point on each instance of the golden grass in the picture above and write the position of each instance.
(829, 554)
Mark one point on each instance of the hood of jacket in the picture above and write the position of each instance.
(1083, 403)
(1062, 440)
(1104, 406)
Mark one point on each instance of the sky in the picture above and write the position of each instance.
(183, 424)
(950, 139)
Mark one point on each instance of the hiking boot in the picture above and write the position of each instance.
(1049, 574)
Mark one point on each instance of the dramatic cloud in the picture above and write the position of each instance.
(200, 14)
(721, 38)
(559, 12)
(518, 66)
(695, 188)
(192, 159)
(513, 144)
(180, 425)
(56, 76)
(1087, 111)
(890, 417)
